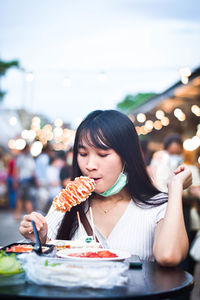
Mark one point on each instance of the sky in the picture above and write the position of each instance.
(106, 48)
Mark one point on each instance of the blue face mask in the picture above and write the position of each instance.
(117, 186)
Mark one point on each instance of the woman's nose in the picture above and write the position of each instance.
(91, 164)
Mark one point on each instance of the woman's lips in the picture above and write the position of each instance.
(96, 179)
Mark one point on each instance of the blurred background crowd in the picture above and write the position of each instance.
(30, 183)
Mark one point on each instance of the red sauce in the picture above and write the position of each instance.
(99, 254)
(20, 248)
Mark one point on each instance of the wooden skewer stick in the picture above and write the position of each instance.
(81, 229)
(93, 231)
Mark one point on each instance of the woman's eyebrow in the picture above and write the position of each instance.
(81, 146)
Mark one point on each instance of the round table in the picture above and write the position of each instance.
(149, 282)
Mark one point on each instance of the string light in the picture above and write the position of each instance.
(179, 114)
(36, 148)
(165, 121)
(138, 130)
(185, 73)
(13, 121)
(149, 125)
(196, 110)
(160, 114)
(11, 144)
(157, 125)
(191, 144)
(20, 144)
(58, 122)
(141, 117)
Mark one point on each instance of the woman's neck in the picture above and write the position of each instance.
(123, 195)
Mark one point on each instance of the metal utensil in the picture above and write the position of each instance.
(37, 247)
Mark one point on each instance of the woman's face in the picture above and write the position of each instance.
(104, 166)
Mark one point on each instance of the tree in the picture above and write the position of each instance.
(132, 101)
(4, 67)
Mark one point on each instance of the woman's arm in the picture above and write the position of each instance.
(170, 239)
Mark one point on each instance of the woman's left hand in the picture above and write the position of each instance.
(183, 175)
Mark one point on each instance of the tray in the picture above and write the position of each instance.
(48, 248)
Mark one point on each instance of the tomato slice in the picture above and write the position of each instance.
(99, 254)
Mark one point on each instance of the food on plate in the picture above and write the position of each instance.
(93, 254)
(9, 265)
(25, 248)
(68, 244)
(74, 193)
(19, 248)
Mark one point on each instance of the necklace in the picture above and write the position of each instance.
(107, 210)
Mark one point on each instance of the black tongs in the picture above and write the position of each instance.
(37, 247)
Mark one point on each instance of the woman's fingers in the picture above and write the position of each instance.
(37, 218)
(26, 228)
(179, 169)
(184, 175)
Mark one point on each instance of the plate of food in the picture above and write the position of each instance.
(19, 248)
(94, 254)
(74, 244)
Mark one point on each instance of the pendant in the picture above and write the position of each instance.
(105, 211)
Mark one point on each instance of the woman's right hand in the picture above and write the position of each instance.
(26, 228)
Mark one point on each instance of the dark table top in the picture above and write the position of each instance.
(149, 282)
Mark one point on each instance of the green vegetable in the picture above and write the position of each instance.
(52, 265)
(9, 265)
(55, 264)
(46, 263)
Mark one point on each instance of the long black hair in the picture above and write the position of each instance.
(112, 129)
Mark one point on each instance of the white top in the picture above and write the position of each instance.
(134, 232)
(53, 180)
(26, 166)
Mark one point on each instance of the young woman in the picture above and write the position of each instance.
(129, 212)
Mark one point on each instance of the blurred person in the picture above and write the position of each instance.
(3, 179)
(193, 199)
(53, 177)
(66, 170)
(12, 181)
(25, 166)
(129, 212)
(164, 162)
(42, 164)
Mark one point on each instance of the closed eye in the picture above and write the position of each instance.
(103, 155)
(82, 154)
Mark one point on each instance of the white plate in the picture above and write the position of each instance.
(121, 255)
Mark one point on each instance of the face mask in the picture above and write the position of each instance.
(175, 160)
(117, 186)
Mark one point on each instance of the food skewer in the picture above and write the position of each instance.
(73, 194)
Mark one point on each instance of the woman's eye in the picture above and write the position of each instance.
(103, 155)
(83, 154)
